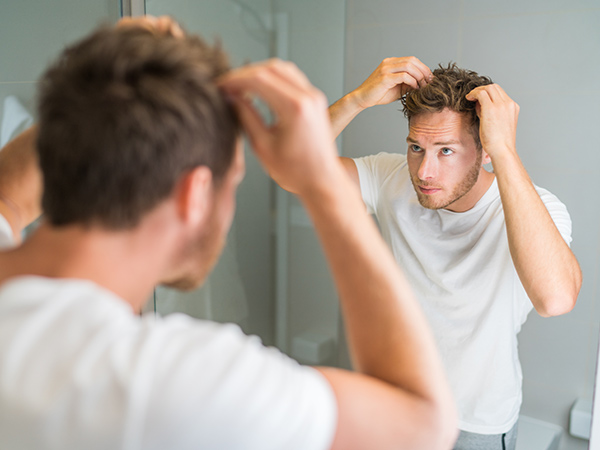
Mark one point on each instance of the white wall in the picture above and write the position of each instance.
(546, 55)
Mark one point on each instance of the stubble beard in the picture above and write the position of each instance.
(201, 256)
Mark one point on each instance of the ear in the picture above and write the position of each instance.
(485, 158)
(195, 195)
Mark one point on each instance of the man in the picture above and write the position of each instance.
(141, 157)
(481, 249)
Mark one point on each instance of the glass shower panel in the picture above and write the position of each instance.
(240, 288)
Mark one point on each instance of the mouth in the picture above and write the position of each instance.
(429, 190)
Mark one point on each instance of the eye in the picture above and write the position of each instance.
(415, 148)
(447, 151)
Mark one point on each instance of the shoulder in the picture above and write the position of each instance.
(552, 202)
(207, 368)
(383, 159)
(380, 166)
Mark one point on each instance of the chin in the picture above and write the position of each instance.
(185, 283)
(427, 203)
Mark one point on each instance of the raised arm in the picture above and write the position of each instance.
(393, 78)
(546, 265)
(399, 398)
(20, 182)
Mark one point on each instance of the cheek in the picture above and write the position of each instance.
(413, 162)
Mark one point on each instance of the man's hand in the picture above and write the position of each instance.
(162, 25)
(297, 149)
(393, 78)
(498, 115)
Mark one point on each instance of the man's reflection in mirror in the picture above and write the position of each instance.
(481, 248)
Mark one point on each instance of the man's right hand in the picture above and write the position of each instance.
(393, 78)
(297, 149)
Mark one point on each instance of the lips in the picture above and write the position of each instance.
(429, 190)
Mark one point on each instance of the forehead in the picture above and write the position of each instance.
(443, 124)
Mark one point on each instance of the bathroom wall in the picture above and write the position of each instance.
(545, 54)
(33, 33)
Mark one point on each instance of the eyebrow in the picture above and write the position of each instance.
(450, 142)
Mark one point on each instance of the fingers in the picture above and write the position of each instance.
(280, 84)
(163, 24)
(410, 65)
(489, 92)
(251, 121)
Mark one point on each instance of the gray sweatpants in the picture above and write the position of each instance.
(472, 441)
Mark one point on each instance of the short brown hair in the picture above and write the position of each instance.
(447, 89)
(122, 115)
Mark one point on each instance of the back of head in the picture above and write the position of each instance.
(447, 89)
(122, 115)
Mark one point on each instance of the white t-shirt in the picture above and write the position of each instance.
(78, 370)
(6, 235)
(460, 268)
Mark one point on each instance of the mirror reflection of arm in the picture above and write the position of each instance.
(393, 78)
(546, 265)
(399, 397)
(20, 182)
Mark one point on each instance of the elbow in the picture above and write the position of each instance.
(441, 426)
(448, 429)
(556, 305)
(560, 301)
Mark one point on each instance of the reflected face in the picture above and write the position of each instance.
(443, 161)
(203, 251)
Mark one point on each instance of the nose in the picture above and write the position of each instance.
(428, 168)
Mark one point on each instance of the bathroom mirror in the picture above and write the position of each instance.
(272, 278)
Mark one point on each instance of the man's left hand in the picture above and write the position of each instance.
(498, 115)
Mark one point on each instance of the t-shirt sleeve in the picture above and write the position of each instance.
(372, 172)
(558, 212)
(214, 387)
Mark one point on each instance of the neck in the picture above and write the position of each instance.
(129, 263)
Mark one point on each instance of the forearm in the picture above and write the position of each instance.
(546, 265)
(388, 336)
(342, 112)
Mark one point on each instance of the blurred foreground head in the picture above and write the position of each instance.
(122, 115)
